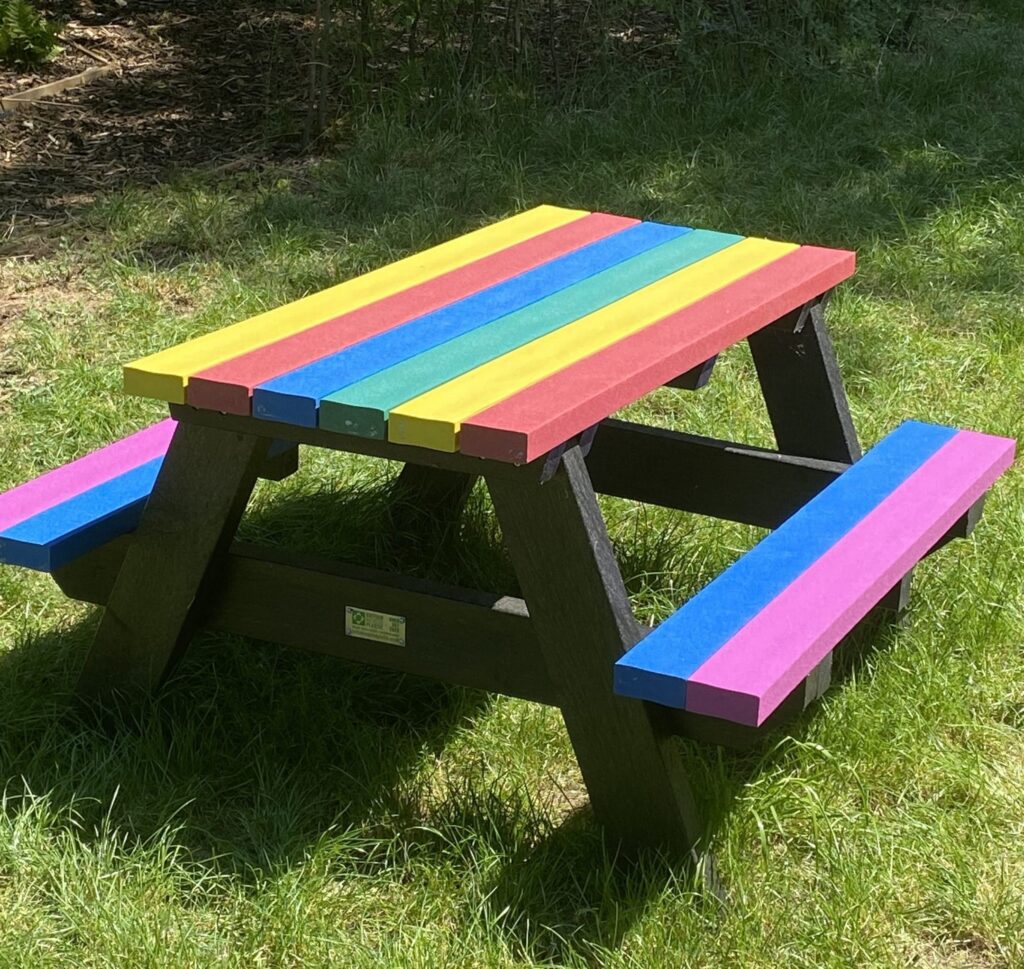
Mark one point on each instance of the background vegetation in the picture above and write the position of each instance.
(26, 36)
(275, 809)
(437, 58)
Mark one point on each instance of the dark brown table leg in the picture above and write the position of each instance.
(573, 588)
(799, 376)
(189, 521)
(803, 390)
(435, 495)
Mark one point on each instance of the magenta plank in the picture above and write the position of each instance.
(87, 472)
(759, 666)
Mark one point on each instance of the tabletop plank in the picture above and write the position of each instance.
(433, 419)
(295, 397)
(164, 375)
(228, 386)
(363, 407)
(541, 416)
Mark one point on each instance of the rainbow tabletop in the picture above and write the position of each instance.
(502, 343)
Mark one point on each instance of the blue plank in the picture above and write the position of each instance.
(295, 397)
(362, 408)
(658, 666)
(60, 534)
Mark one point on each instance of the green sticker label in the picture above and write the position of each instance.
(378, 626)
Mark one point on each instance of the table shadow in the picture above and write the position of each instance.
(253, 754)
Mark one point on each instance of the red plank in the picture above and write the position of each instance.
(228, 386)
(546, 414)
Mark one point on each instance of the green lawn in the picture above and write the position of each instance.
(271, 808)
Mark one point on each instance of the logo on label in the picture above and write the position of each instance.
(380, 627)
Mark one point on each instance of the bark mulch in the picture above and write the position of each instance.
(196, 84)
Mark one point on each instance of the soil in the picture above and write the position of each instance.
(195, 85)
(226, 86)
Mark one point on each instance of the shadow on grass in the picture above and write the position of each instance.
(253, 754)
(879, 150)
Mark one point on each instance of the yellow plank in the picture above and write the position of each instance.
(164, 375)
(433, 419)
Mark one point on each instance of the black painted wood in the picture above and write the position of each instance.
(90, 577)
(662, 467)
(282, 461)
(965, 524)
(582, 442)
(897, 599)
(426, 503)
(566, 566)
(433, 487)
(696, 377)
(461, 636)
(703, 475)
(190, 518)
(318, 437)
(803, 389)
(458, 636)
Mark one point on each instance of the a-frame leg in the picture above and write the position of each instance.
(803, 389)
(436, 492)
(190, 519)
(577, 600)
(425, 508)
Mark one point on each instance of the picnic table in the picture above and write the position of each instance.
(502, 354)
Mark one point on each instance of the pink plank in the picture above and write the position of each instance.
(754, 671)
(546, 414)
(229, 385)
(93, 469)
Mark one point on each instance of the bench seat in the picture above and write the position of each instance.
(742, 644)
(71, 510)
(59, 516)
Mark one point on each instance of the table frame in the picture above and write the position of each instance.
(182, 569)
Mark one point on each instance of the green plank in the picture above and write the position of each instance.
(362, 408)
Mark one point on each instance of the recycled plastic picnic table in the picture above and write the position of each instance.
(502, 354)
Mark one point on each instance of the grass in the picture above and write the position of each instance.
(271, 808)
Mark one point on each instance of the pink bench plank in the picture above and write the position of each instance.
(61, 484)
(551, 411)
(229, 385)
(754, 671)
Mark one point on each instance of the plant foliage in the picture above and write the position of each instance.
(26, 36)
(430, 58)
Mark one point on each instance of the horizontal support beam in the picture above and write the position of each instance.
(687, 472)
(703, 475)
(360, 445)
(460, 636)
(963, 526)
(468, 638)
(721, 479)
